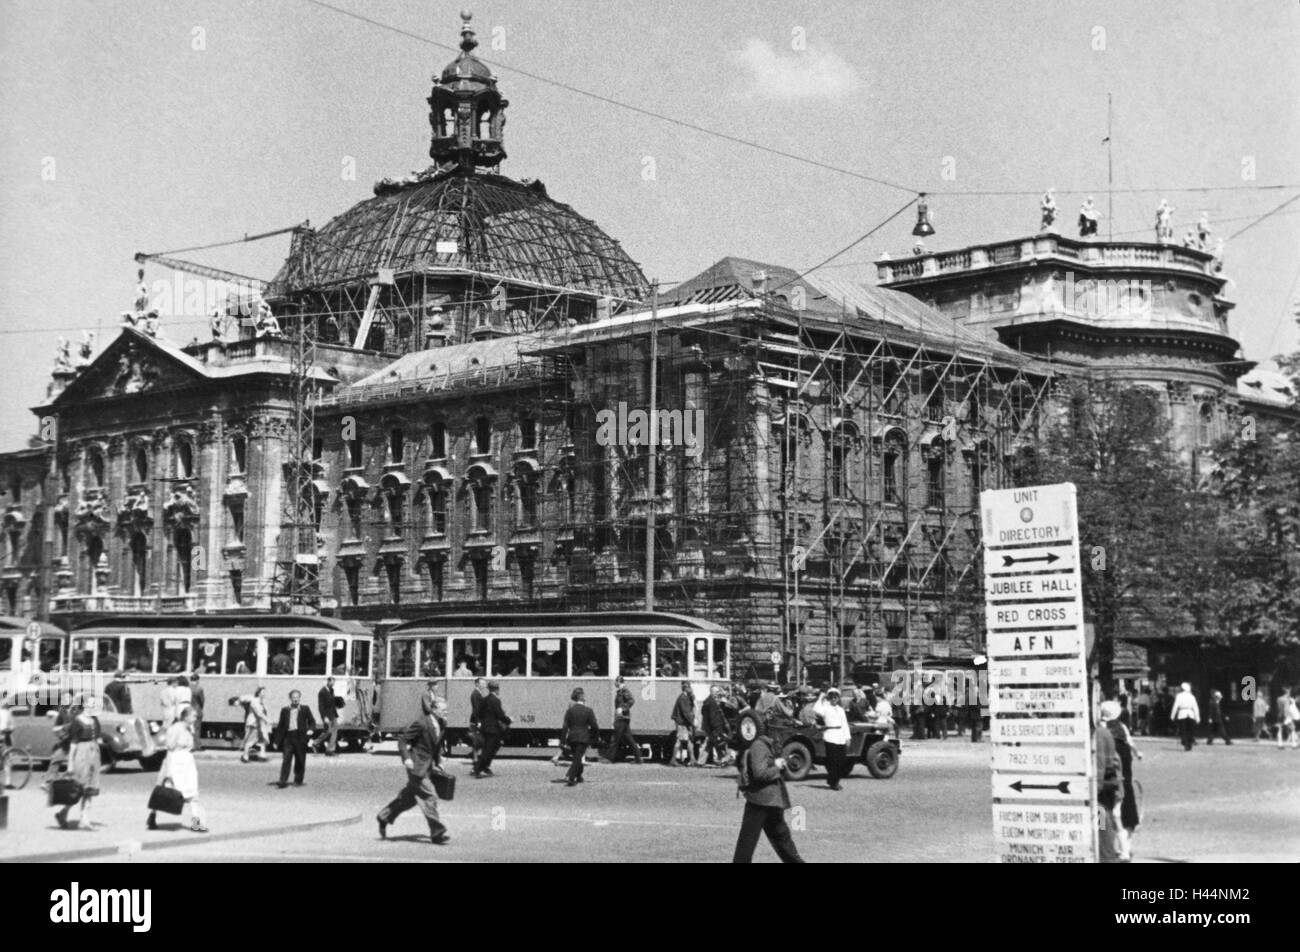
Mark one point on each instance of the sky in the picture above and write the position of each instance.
(152, 126)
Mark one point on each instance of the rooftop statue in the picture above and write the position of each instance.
(1087, 218)
(1203, 231)
(1164, 222)
(85, 350)
(267, 325)
(1049, 210)
(62, 356)
(217, 324)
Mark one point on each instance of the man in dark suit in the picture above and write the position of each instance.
(328, 705)
(492, 722)
(580, 730)
(197, 701)
(766, 801)
(296, 725)
(420, 747)
(475, 708)
(623, 701)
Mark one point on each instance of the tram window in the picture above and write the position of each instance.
(360, 658)
(280, 652)
(433, 657)
(313, 655)
(139, 655)
(550, 658)
(720, 658)
(700, 658)
(241, 656)
(670, 655)
(508, 658)
(51, 653)
(470, 655)
(108, 654)
(6, 654)
(83, 654)
(171, 656)
(634, 657)
(591, 657)
(339, 657)
(401, 658)
(206, 658)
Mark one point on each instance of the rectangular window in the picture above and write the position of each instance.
(280, 653)
(509, 660)
(49, 653)
(550, 658)
(435, 578)
(634, 657)
(173, 653)
(394, 572)
(339, 657)
(360, 658)
(481, 579)
(108, 654)
(670, 656)
(934, 474)
(433, 657)
(438, 511)
(591, 657)
(700, 658)
(313, 656)
(438, 440)
(239, 454)
(528, 503)
(401, 658)
(354, 518)
(6, 654)
(396, 446)
(471, 657)
(720, 659)
(236, 509)
(83, 654)
(527, 434)
(241, 656)
(482, 498)
(352, 575)
(482, 436)
(891, 477)
(354, 453)
(206, 657)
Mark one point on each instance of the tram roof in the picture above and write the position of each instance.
(547, 620)
(277, 623)
(13, 623)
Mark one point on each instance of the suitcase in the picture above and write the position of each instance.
(166, 799)
(444, 784)
(64, 792)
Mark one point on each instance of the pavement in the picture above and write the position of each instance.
(1212, 804)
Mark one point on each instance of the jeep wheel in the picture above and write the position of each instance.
(747, 729)
(798, 760)
(881, 760)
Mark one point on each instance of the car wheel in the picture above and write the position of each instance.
(882, 760)
(798, 760)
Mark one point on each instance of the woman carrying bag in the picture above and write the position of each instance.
(180, 770)
(82, 738)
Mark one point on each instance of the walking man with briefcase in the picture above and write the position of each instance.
(420, 746)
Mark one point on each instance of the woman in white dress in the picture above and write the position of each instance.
(82, 734)
(180, 769)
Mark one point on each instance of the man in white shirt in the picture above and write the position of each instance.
(835, 737)
(1186, 714)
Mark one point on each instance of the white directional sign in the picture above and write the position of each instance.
(1043, 784)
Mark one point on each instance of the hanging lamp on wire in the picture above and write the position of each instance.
(923, 227)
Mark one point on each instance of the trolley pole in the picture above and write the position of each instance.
(652, 456)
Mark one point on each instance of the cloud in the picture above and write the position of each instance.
(814, 73)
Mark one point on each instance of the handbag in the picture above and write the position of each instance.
(64, 792)
(444, 784)
(167, 799)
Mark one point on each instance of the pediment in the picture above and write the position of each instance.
(133, 364)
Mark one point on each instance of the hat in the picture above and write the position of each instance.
(833, 692)
(1110, 710)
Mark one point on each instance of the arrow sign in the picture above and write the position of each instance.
(1049, 558)
(1020, 785)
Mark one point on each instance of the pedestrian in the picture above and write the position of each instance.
(714, 723)
(256, 725)
(296, 725)
(167, 699)
(328, 703)
(623, 701)
(81, 734)
(1215, 723)
(1129, 815)
(1163, 714)
(476, 695)
(1143, 725)
(684, 719)
(835, 737)
(1125, 715)
(493, 723)
(580, 731)
(1259, 717)
(198, 700)
(179, 768)
(420, 746)
(118, 692)
(182, 697)
(1186, 714)
(6, 741)
(766, 800)
(1287, 718)
(1109, 788)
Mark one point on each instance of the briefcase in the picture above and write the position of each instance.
(167, 799)
(64, 792)
(444, 784)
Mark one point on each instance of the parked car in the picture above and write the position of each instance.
(122, 737)
(874, 743)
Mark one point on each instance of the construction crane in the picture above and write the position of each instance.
(296, 586)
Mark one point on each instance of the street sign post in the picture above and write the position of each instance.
(1044, 788)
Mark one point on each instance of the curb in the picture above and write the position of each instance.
(130, 847)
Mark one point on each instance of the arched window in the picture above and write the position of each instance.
(184, 460)
(438, 440)
(239, 454)
(1205, 425)
(96, 469)
(139, 564)
(483, 436)
(934, 467)
(184, 554)
(894, 469)
(140, 460)
(932, 395)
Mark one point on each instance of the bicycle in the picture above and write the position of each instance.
(14, 759)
